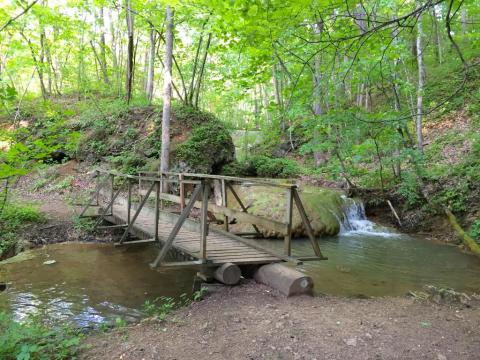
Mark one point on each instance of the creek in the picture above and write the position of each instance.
(88, 284)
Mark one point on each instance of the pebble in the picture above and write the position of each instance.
(441, 357)
(368, 336)
(351, 342)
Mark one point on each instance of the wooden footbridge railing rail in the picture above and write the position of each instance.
(173, 187)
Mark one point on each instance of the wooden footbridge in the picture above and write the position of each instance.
(141, 206)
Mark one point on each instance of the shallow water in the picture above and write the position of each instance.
(92, 283)
(89, 283)
(385, 264)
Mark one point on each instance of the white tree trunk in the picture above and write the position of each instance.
(421, 84)
(167, 92)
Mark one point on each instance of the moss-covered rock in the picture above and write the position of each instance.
(129, 138)
(323, 207)
(208, 148)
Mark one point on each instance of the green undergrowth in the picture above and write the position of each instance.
(264, 166)
(13, 219)
(160, 307)
(32, 339)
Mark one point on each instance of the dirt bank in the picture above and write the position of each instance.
(253, 322)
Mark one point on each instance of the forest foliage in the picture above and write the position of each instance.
(355, 92)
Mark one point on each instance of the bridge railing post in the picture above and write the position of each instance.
(129, 200)
(182, 191)
(97, 186)
(157, 207)
(140, 196)
(112, 184)
(163, 189)
(224, 203)
(288, 220)
(204, 220)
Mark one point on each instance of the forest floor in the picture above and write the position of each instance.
(251, 321)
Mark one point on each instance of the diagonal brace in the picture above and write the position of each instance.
(95, 194)
(144, 200)
(178, 225)
(244, 209)
(306, 223)
(108, 207)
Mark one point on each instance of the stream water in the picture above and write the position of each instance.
(88, 283)
(92, 283)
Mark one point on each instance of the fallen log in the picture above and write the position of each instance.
(469, 242)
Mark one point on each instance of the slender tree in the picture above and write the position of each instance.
(151, 66)
(167, 92)
(130, 51)
(421, 84)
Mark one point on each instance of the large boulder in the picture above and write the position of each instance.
(323, 207)
(129, 139)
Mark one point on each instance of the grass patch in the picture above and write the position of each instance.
(34, 340)
(13, 219)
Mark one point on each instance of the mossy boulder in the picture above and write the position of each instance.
(208, 148)
(129, 139)
(323, 207)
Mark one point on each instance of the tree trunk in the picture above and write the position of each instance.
(114, 52)
(167, 92)
(151, 66)
(189, 97)
(278, 96)
(317, 94)
(256, 108)
(464, 21)
(129, 75)
(266, 103)
(38, 66)
(437, 38)
(202, 70)
(421, 84)
(466, 239)
(103, 57)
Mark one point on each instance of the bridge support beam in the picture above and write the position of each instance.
(284, 279)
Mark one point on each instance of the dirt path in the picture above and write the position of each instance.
(253, 322)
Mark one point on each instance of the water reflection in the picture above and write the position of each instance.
(88, 284)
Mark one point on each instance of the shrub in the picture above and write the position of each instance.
(236, 168)
(12, 220)
(409, 189)
(475, 230)
(34, 340)
(274, 167)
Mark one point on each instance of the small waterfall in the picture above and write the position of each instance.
(354, 220)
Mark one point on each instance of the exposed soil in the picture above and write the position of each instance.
(56, 204)
(252, 321)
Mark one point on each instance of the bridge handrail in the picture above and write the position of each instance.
(201, 192)
(222, 177)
